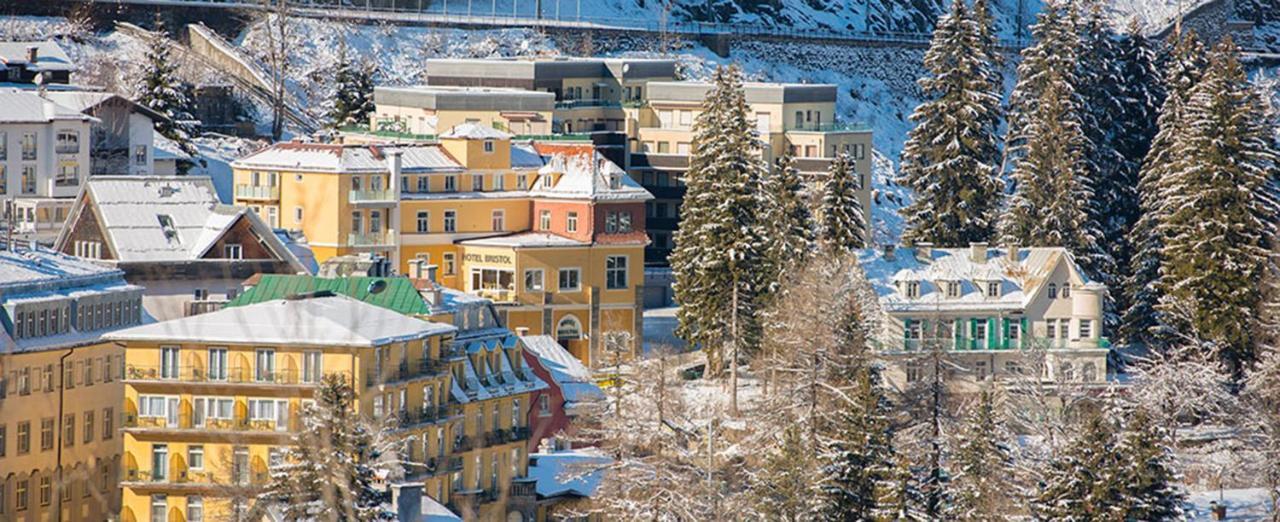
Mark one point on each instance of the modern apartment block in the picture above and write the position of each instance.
(60, 392)
(551, 232)
(427, 111)
(998, 313)
(640, 117)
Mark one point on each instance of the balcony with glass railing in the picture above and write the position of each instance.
(371, 196)
(405, 371)
(257, 192)
(371, 239)
(839, 126)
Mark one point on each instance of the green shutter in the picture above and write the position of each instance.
(957, 333)
(924, 331)
(1004, 334)
(991, 334)
(1023, 334)
(906, 334)
(973, 334)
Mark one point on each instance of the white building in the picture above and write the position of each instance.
(44, 156)
(123, 135)
(988, 308)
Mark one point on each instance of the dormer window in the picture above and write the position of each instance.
(546, 181)
(166, 225)
(953, 289)
(913, 289)
(1053, 290)
(993, 289)
(1066, 290)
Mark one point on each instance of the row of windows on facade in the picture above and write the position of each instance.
(413, 183)
(89, 428)
(683, 119)
(68, 175)
(915, 371)
(955, 289)
(57, 319)
(217, 369)
(1057, 329)
(567, 279)
(67, 142)
(85, 372)
(22, 489)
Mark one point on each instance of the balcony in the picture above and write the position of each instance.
(524, 487)
(587, 103)
(455, 463)
(497, 295)
(372, 239)
(424, 415)
(406, 371)
(372, 196)
(237, 424)
(464, 443)
(234, 375)
(257, 193)
(840, 126)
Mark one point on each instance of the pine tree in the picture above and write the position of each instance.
(1219, 199)
(1182, 72)
(901, 497)
(1051, 58)
(720, 244)
(1150, 479)
(857, 454)
(982, 460)
(160, 90)
(784, 488)
(951, 158)
(790, 225)
(351, 101)
(843, 227)
(1081, 482)
(328, 472)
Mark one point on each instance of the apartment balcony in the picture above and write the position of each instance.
(141, 374)
(839, 126)
(966, 344)
(372, 240)
(372, 197)
(406, 371)
(257, 193)
(497, 295)
(242, 426)
(464, 443)
(588, 103)
(524, 487)
(415, 417)
(455, 463)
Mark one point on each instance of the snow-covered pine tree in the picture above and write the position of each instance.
(843, 228)
(951, 157)
(1050, 205)
(351, 101)
(857, 453)
(721, 241)
(784, 487)
(1051, 58)
(982, 462)
(1218, 225)
(1100, 93)
(1081, 482)
(787, 218)
(328, 471)
(161, 90)
(901, 498)
(1262, 400)
(1183, 70)
(1149, 475)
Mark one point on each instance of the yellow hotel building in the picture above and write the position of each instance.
(211, 401)
(552, 232)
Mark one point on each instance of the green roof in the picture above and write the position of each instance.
(398, 296)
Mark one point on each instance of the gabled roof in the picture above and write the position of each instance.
(49, 56)
(24, 106)
(329, 157)
(475, 131)
(399, 295)
(85, 101)
(164, 218)
(589, 176)
(574, 378)
(1020, 278)
(321, 321)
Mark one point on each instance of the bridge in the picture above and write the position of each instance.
(486, 14)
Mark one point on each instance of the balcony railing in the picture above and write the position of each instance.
(365, 196)
(499, 295)
(233, 375)
(524, 488)
(257, 192)
(840, 126)
(423, 415)
(405, 371)
(464, 443)
(373, 239)
(587, 103)
(175, 477)
(455, 463)
(967, 344)
(187, 422)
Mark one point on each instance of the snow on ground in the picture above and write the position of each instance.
(1250, 504)
(218, 151)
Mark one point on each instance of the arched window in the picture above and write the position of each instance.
(1066, 290)
(1068, 373)
(569, 329)
(1053, 291)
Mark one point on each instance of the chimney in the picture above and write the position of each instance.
(432, 272)
(1012, 252)
(416, 270)
(890, 251)
(522, 331)
(395, 166)
(407, 499)
(978, 252)
(924, 251)
(33, 54)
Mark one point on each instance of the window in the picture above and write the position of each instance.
(450, 221)
(240, 466)
(29, 146)
(499, 220)
(544, 405)
(29, 180)
(68, 142)
(159, 508)
(217, 364)
(311, 366)
(195, 457)
(477, 182)
(169, 362)
(499, 182)
(46, 490)
(20, 498)
(357, 222)
(533, 280)
(297, 214)
(488, 146)
(515, 413)
(450, 263)
(914, 371)
(195, 509)
(1015, 329)
(451, 183)
(69, 429)
(424, 222)
(424, 184)
(980, 332)
(522, 182)
(1051, 328)
(569, 279)
(3, 448)
(980, 370)
(615, 272)
(1066, 290)
(1086, 328)
(569, 329)
(46, 434)
(544, 220)
(4, 156)
(232, 251)
(993, 289)
(664, 147)
(24, 437)
(375, 221)
(953, 289)
(1053, 290)
(686, 118)
(68, 175)
(914, 329)
(265, 365)
(913, 289)
(571, 222)
(159, 462)
(108, 423)
(1063, 329)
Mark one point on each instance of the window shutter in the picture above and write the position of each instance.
(957, 333)
(1023, 333)
(973, 334)
(991, 334)
(1004, 336)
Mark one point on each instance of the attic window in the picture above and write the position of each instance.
(993, 289)
(166, 225)
(912, 289)
(953, 289)
(615, 181)
(488, 146)
(167, 191)
(546, 181)
(1066, 290)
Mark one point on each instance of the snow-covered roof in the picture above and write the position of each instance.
(525, 156)
(21, 106)
(577, 472)
(85, 101)
(589, 176)
(24, 269)
(167, 149)
(327, 157)
(323, 321)
(475, 131)
(49, 56)
(166, 218)
(574, 378)
(526, 240)
(1019, 278)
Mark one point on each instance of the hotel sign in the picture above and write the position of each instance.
(492, 259)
